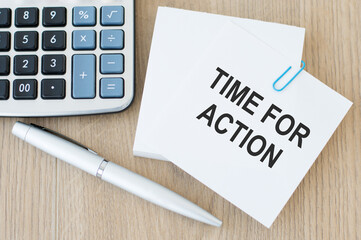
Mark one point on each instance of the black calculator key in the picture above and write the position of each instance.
(53, 64)
(27, 17)
(53, 89)
(25, 89)
(5, 17)
(4, 41)
(26, 41)
(4, 89)
(26, 65)
(54, 17)
(54, 40)
(4, 65)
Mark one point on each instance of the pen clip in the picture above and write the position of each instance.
(63, 137)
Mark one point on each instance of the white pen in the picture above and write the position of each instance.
(87, 160)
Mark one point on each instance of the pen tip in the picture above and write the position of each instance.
(215, 222)
(208, 218)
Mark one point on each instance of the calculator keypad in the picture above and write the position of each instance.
(78, 59)
(26, 41)
(27, 17)
(25, 89)
(54, 40)
(54, 16)
(84, 16)
(25, 65)
(53, 89)
(83, 76)
(4, 41)
(84, 40)
(112, 63)
(112, 39)
(4, 89)
(5, 17)
(53, 64)
(112, 16)
(4, 65)
(112, 87)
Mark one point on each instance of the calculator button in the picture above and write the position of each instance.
(112, 88)
(112, 16)
(5, 17)
(25, 65)
(53, 89)
(83, 76)
(4, 65)
(84, 16)
(4, 89)
(27, 17)
(112, 39)
(25, 89)
(53, 64)
(26, 41)
(112, 63)
(54, 40)
(4, 41)
(54, 16)
(84, 40)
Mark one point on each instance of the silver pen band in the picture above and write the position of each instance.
(101, 168)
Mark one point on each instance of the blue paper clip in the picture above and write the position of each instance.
(303, 67)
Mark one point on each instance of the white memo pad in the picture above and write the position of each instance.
(227, 127)
(179, 38)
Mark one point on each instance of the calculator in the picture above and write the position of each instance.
(63, 58)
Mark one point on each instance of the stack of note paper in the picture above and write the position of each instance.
(211, 107)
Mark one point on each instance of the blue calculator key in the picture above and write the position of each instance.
(84, 16)
(84, 40)
(112, 63)
(112, 16)
(112, 39)
(83, 76)
(112, 88)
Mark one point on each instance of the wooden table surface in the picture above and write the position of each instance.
(44, 198)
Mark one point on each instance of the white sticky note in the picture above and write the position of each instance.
(230, 129)
(179, 38)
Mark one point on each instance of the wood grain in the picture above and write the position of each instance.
(43, 198)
